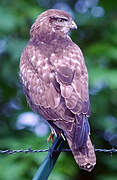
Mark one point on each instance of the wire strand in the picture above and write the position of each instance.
(30, 150)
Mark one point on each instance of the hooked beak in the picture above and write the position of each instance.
(73, 25)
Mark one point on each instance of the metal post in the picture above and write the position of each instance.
(50, 160)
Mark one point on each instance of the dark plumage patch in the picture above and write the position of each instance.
(65, 75)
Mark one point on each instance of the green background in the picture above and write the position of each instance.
(97, 37)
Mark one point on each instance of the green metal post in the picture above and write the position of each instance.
(50, 160)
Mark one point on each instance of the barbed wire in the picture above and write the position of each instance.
(30, 150)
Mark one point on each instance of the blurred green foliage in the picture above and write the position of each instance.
(97, 38)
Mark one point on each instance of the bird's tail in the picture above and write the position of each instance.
(84, 155)
(80, 143)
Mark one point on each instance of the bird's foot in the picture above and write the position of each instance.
(55, 132)
(51, 137)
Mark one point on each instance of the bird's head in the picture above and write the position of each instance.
(61, 21)
(54, 21)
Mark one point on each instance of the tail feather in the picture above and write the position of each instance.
(82, 130)
(84, 155)
(81, 145)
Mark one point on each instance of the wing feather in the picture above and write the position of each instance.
(58, 87)
(37, 80)
(73, 80)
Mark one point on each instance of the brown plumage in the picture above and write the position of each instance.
(55, 81)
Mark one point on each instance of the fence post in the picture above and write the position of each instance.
(50, 160)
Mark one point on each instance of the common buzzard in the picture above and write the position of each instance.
(55, 81)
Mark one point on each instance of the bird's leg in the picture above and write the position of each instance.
(60, 133)
(51, 136)
(55, 131)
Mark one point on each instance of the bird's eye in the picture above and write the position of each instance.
(58, 19)
(61, 19)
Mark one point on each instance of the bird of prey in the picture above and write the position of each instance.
(55, 81)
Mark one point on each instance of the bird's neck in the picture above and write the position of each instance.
(47, 35)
